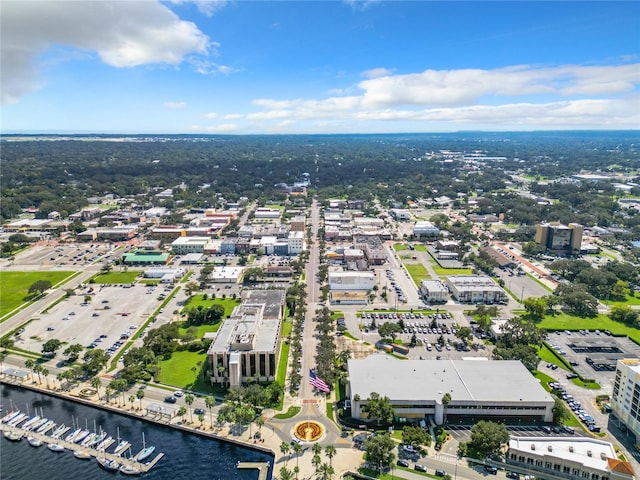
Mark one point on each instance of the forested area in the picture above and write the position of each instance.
(60, 175)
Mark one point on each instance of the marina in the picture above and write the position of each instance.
(96, 447)
(188, 452)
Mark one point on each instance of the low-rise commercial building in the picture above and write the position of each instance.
(573, 458)
(475, 289)
(184, 245)
(424, 228)
(479, 389)
(434, 291)
(351, 280)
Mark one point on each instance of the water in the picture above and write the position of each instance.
(186, 455)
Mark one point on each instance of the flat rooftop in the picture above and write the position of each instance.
(467, 381)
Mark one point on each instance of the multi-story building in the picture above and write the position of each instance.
(571, 458)
(296, 242)
(560, 238)
(247, 344)
(372, 247)
(434, 291)
(351, 280)
(185, 245)
(625, 401)
(475, 289)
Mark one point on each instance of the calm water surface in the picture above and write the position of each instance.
(187, 457)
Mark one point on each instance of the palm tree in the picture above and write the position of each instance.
(446, 399)
(316, 461)
(284, 449)
(30, 364)
(3, 355)
(285, 474)
(297, 448)
(221, 370)
(132, 398)
(37, 368)
(140, 396)
(201, 419)
(326, 471)
(296, 470)
(96, 383)
(107, 392)
(45, 372)
(260, 423)
(316, 449)
(330, 452)
(188, 399)
(210, 402)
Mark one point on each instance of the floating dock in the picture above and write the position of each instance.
(263, 468)
(74, 447)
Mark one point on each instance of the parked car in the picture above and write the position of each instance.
(440, 473)
(490, 469)
(402, 463)
(170, 399)
(420, 468)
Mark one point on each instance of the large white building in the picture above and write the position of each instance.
(571, 458)
(424, 228)
(247, 344)
(478, 389)
(475, 289)
(625, 401)
(296, 242)
(351, 280)
(434, 291)
(185, 245)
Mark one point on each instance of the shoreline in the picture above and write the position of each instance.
(120, 411)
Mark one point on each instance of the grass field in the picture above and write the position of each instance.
(282, 363)
(14, 286)
(452, 271)
(628, 301)
(398, 247)
(547, 356)
(177, 371)
(601, 322)
(112, 278)
(202, 329)
(418, 272)
(228, 303)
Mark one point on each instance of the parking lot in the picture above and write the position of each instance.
(69, 256)
(593, 354)
(112, 311)
(462, 433)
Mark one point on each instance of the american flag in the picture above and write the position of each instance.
(317, 383)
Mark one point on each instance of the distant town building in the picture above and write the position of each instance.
(424, 228)
(185, 245)
(351, 280)
(560, 238)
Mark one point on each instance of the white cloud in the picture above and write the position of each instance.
(377, 72)
(174, 104)
(210, 115)
(123, 34)
(207, 7)
(233, 116)
(223, 128)
(207, 67)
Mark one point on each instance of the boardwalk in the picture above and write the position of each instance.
(263, 467)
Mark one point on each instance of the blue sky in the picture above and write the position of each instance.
(318, 67)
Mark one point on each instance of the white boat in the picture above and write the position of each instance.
(103, 444)
(129, 470)
(10, 416)
(55, 447)
(98, 438)
(17, 419)
(108, 464)
(38, 424)
(72, 436)
(59, 431)
(121, 447)
(146, 453)
(46, 426)
(82, 455)
(13, 436)
(32, 421)
(81, 436)
(89, 440)
(34, 442)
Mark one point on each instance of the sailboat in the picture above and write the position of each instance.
(34, 442)
(55, 447)
(82, 455)
(129, 469)
(146, 451)
(122, 444)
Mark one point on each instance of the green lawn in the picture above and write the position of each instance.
(565, 321)
(292, 411)
(177, 370)
(398, 247)
(418, 272)
(452, 271)
(202, 329)
(544, 379)
(547, 356)
(228, 303)
(287, 326)
(14, 286)
(421, 248)
(282, 363)
(116, 278)
(628, 301)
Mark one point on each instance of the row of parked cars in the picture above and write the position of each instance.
(576, 407)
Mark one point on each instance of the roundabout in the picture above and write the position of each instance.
(88, 392)
(309, 431)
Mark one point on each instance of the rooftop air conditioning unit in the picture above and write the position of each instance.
(533, 447)
(571, 448)
(550, 448)
(589, 454)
